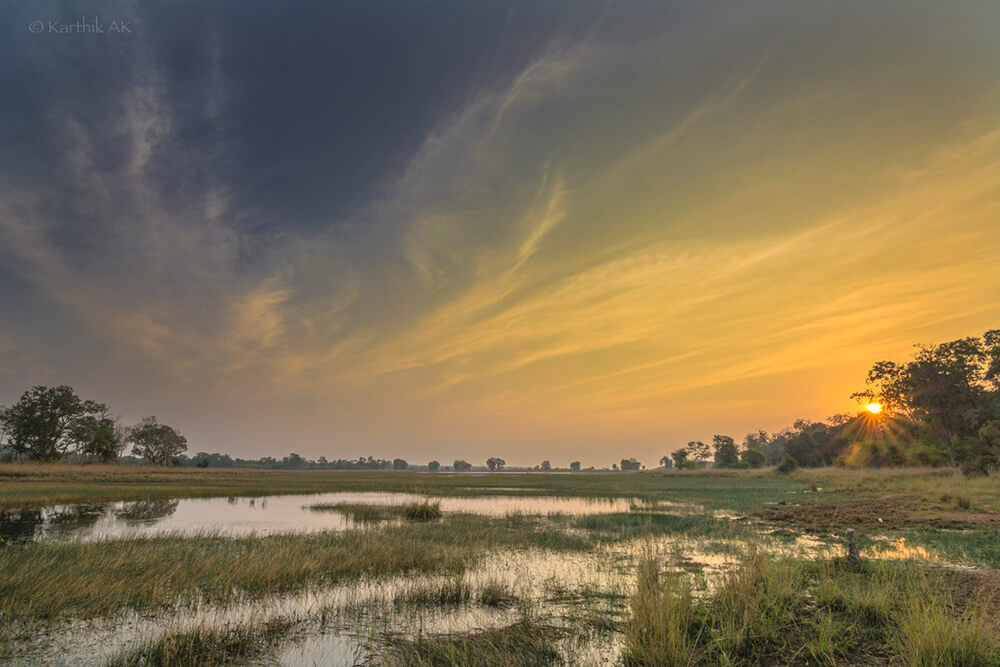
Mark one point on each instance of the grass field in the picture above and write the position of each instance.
(704, 568)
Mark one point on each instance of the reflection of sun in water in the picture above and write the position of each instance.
(874, 408)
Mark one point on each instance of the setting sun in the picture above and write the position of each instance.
(874, 408)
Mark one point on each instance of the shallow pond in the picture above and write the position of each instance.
(268, 515)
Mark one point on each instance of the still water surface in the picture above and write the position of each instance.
(268, 515)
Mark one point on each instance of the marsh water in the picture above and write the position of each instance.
(585, 592)
(267, 515)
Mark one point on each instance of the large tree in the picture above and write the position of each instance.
(158, 443)
(949, 388)
(727, 455)
(48, 422)
(698, 451)
(680, 458)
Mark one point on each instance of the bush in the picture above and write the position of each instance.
(425, 511)
(787, 465)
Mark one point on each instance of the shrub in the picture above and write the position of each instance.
(787, 465)
(425, 511)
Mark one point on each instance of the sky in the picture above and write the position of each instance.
(448, 229)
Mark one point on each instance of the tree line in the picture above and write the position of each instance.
(941, 407)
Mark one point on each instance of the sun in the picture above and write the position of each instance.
(874, 408)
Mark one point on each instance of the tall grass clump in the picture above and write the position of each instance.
(662, 627)
(930, 636)
(788, 611)
(755, 604)
(424, 511)
(451, 591)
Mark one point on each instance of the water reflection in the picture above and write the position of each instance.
(27, 525)
(19, 525)
(239, 517)
(147, 511)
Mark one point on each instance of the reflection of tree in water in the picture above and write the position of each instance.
(19, 525)
(25, 525)
(147, 510)
(74, 517)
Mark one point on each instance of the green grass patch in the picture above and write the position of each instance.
(50, 579)
(786, 611)
(624, 525)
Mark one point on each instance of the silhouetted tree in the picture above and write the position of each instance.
(680, 458)
(433, 466)
(158, 443)
(726, 453)
(666, 462)
(698, 451)
(574, 466)
(399, 464)
(98, 438)
(48, 422)
(545, 465)
(495, 463)
(630, 464)
(951, 389)
(461, 465)
(752, 458)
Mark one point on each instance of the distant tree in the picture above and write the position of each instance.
(575, 466)
(294, 461)
(666, 462)
(433, 466)
(756, 440)
(399, 464)
(614, 466)
(48, 422)
(461, 465)
(698, 451)
(680, 458)
(752, 458)
(204, 462)
(157, 443)
(754, 451)
(545, 465)
(630, 464)
(727, 455)
(495, 463)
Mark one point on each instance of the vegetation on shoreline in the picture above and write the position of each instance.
(204, 646)
(721, 512)
(362, 513)
(787, 611)
(49, 579)
(29, 484)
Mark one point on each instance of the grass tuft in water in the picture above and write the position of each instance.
(425, 511)
(526, 643)
(662, 629)
(205, 646)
